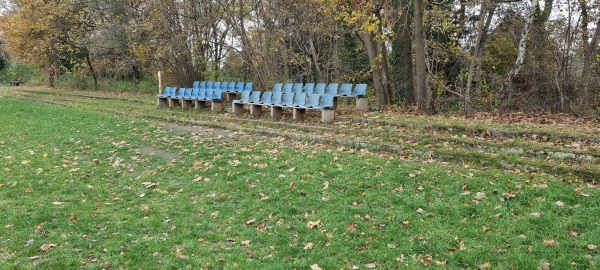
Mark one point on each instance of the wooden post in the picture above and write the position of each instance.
(160, 90)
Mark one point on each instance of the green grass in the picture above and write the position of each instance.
(85, 181)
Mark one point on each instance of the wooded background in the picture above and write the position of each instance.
(524, 55)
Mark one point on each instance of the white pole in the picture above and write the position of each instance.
(159, 84)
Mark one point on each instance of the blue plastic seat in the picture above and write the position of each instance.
(216, 85)
(309, 88)
(287, 100)
(209, 94)
(287, 88)
(266, 97)
(326, 102)
(332, 89)
(165, 92)
(217, 94)
(297, 88)
(276, 98)
(202, 94)
(223, 87)
(360, 90)
(320, 88)
(196, 83)
(313, 101)
(239, 87)
(299, 100)
(244, 98)
(248, 86)
(345, 90)
(231, 87)
(202, 85)
(254, 97)
(195, 91)
(181, 93)
(277, 87)
(188, 93)
(209, 85)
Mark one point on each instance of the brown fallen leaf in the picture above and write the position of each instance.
(73, 217)
(485, 265)
(550, 243)
(48, 247)
(480, 196)
(425, 260)
(441, 262)
(309, 246)
(27, 190)
(352, 226)
(405, 224)
(544, 266)
(293, 185)
(214, 215)
(573, 233)
(591, 247)
(249, 222)
(245, 242)
(315, 267)
(370, 265)
(179, 254)
(312, 224)
(34, 257)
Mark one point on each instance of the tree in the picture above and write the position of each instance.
(421, 94)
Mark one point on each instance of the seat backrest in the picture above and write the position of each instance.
(202, 93)
(320, 88)
(188, 93)
(166, 91)
(239, 87)
(332, 89)
(195, 92)
(277, 87)
(202, 85)
(313, 100)
(276, 97)
(196, 83)
(288, 99)
(300, 99)
(217, 94)
(326, 101)
(231, 87)
(287, 88)
(216, 85)
(209, 94)
(309, 88)
(181, 93)
(209, 85)
(255, 96)
(346, 89)
(224, 86)
(245, 96)
(297, 88)
(360, 90)
(248, 86)
(266, 97)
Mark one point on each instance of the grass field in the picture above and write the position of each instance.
(105, 182)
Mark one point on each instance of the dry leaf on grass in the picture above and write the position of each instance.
(309, 246)
(315, 267)
(48, 247)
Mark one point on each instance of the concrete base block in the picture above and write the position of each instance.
(231, 97)
(327, 116)
(256, 110)
(186, 104)
(216, 106)
(276, 112)
(298, 114)
(237, 108)
(362, 104)
(199, 104)
(335, 102)
(163, 102)
(173, 103)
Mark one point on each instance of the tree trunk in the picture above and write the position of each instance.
(315, 57)
(522, 50)
(368, 39)
(402, 55)
(422, 98)
(589, 54)
(475, 62)
(91, 67)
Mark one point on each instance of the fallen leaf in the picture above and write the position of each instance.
(34, 257)
(579, 192)
(48, 247)
(550, 243)
(441, 262)
(326, 185)
(73, 217)
(312, 224)
(405, 224)
(249, 222)
(27, 190)
(352, 226)
(573, 233)
(480, 196)
(544, 265)
(535, 214)
(179, 254)
(508, 195)
(560, 203)
(370, 265)
(315, 267)
(293, 185)
(214, 215)
(425, 260)
(231, 240)
(591, 247)
(57, 203)
(280, 222)
(292, 169)
(245, 242)
(485, 265)
(309, 246)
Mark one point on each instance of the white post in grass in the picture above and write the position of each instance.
(159, 84)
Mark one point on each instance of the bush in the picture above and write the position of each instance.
(18, 71)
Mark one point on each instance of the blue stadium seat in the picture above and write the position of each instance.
(309, 88)
(360, 90)
(332, 89)
(345, 90)
(244, 98)
(202, 94)
(254, 97)
(287, 88)
(297, 87)
(299, 100)
(209, 94)
(223, 87)
(202, 85)
(248, 86)
(216, 85)
(287, 100)
(217, 94)
(195, 91)
(181, 93)
(326, 102)
(277, 87)
(239, 87)
(266, 97)
(231, 87)
(313, 101)
(320, 88)
(196, 84)
(188, 93)
(276, 97)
